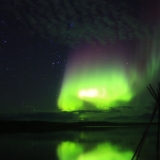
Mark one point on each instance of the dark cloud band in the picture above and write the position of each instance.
(75, 21)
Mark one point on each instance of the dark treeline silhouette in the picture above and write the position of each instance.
(45, 126)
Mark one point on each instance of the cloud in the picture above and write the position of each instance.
(83, 115)
(42, 116)
(71, 22)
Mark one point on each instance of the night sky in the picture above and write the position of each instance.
(71, 60)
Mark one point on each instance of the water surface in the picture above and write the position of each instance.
(111, 143)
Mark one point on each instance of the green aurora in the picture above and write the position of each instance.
(106, 77)
(75, 151)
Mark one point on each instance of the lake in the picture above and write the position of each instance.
(110, 143)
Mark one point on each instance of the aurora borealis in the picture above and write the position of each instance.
(105, 76)
(92, 78)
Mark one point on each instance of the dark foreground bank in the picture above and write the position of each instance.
(43, 126)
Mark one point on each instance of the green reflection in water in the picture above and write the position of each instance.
(103, 151)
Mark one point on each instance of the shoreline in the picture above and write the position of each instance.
(45, 126)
